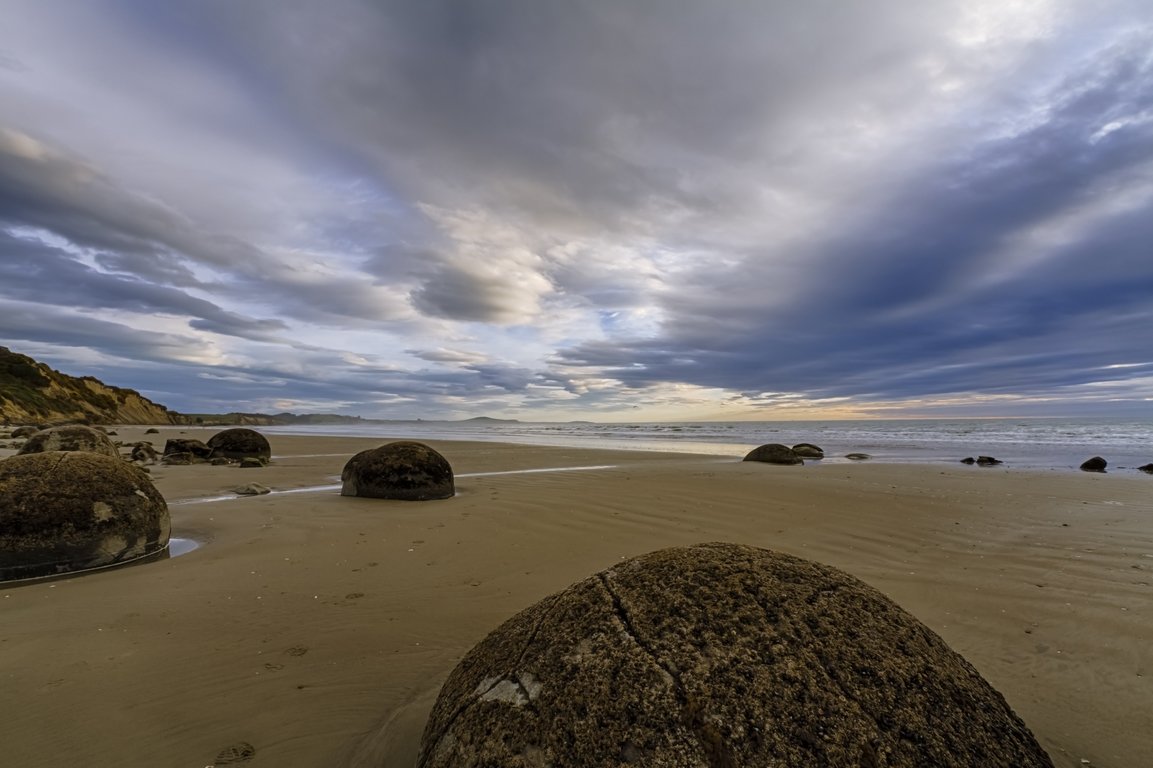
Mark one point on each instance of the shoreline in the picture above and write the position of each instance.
(305, 620)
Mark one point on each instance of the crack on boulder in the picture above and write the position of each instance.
(712, 744)
(514, 676)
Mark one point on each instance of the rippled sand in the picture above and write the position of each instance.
(315, 629)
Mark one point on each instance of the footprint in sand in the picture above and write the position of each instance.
(240, 752)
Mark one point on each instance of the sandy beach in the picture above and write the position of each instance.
(318, 628)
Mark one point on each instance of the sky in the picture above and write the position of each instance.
(584, 209)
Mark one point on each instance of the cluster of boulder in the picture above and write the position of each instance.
(70, 500)
(777, 453)
(239, 445)
(1094, 464)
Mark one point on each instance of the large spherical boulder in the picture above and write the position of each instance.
(720, 655)
(402, 470)
(71, 437)
(71, 510)
(240, 443)
(774, 453)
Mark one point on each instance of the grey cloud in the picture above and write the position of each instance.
(34, 272)
(916, 303)
(40, 186)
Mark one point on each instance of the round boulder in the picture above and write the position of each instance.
(1095, 464)
(404, 470)
(720, 655)
(67, 511)
(809, 451)
(71, 437)
(774, 453)
(25, 431)
(240, 443)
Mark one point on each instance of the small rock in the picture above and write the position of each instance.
(858, 456)
(251, 462)
(1095, 464)
(252, 489)
(988, 461)
(968, 460)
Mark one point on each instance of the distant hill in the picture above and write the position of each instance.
(490, 419)
(33, 393)
(273, 419)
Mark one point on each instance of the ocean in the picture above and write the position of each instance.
(1056, 444)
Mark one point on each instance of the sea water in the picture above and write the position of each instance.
(1025, 443)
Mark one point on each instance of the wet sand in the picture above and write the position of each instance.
(318, 628)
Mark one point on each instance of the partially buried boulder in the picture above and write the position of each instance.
(66, 511)
(1095, 464)
(809, 451)
(858, 456)
(176, 449)
(143, 452)
(774, 453)
(240, 443)
(720, 655)
(71, 437)
(403, 470)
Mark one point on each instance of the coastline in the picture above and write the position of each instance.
(307, 621)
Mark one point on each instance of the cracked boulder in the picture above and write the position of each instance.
(720, 656)
(240, 443)
(70, 437)
(67, 511)
(404, 470)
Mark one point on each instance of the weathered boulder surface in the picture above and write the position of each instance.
(240, 443)
(1095, 464)
(720, 655)
(65, 511)
(404, 470)
(809, 451)
(71, 437)
(774, 453)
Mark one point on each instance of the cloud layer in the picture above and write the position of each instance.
(584, 210)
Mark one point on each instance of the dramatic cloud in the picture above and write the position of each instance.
(550, 210)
